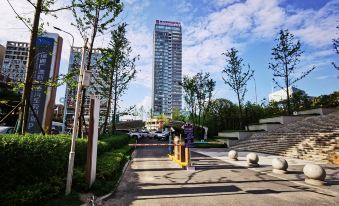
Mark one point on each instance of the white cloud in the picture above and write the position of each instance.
(224, 2)
(316, 28)
(324, 77)
(144, 75)
(184, 6)
(146, 103)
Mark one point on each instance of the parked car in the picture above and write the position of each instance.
(152, 134)
(144, 133)
(136, 135)
(6, 130)
(162, 136)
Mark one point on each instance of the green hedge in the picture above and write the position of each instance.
(109, 142)
(109, 169)
(34, 166)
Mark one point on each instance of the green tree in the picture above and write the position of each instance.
(336, 47)
(116, 71)
(107, 66)
(236, 77)
(8, 100)
(189, 86)
(198, 93)
(124, 74)
(300, 101)
(325, 101)
(285, 58)
(178, 115)
(93, 17)
(40, 7)
(204, 88)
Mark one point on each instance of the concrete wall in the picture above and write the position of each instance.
(281, 119)
(321, 111)
(238, 135)
(266, 127)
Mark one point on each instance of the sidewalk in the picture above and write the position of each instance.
(295, 167)
(152, 179)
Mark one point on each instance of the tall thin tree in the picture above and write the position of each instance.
(116, 71)
(285, 58)
(336, 47)
(236, 77)
(94, 16)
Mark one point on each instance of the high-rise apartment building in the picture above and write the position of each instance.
(70, 94)
(15, 61)
(167, 67)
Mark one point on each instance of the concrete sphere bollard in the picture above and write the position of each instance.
(314, 174)
(252, 160)
(233, 155)
(279, 165)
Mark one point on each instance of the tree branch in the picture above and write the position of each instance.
(55, 10)
(31, 3)
(18, 16)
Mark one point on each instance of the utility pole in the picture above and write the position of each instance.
(76, 121)
(65, 102)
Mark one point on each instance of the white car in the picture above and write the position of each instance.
(137, 135)
(162, 136)
(6, 130)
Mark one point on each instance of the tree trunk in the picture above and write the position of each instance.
(288, 98)
(240, 110)
(115, 102)
(287, 85)
(109, 101)
(107, 111)
(30, 70)
(88, 66)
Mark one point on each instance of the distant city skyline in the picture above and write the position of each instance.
(209, 29)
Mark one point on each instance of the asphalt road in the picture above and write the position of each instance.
(152, 179)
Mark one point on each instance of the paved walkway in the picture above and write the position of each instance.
(295, 167)
(152, 179)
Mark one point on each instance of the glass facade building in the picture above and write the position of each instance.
(167, 67)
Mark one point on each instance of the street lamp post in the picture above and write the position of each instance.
(76, 120)
(65, 102)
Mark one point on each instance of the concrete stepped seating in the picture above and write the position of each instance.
(320, 111)
(231, 138)
(240, 135)
(264, 127)
(281, 119)
(311, 138)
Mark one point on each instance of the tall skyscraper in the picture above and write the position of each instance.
(167, 67)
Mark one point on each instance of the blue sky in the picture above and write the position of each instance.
(210, 27)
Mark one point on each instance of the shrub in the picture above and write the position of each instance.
(31, 164)
(109, 169)
(34, 194)
(109, 142)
